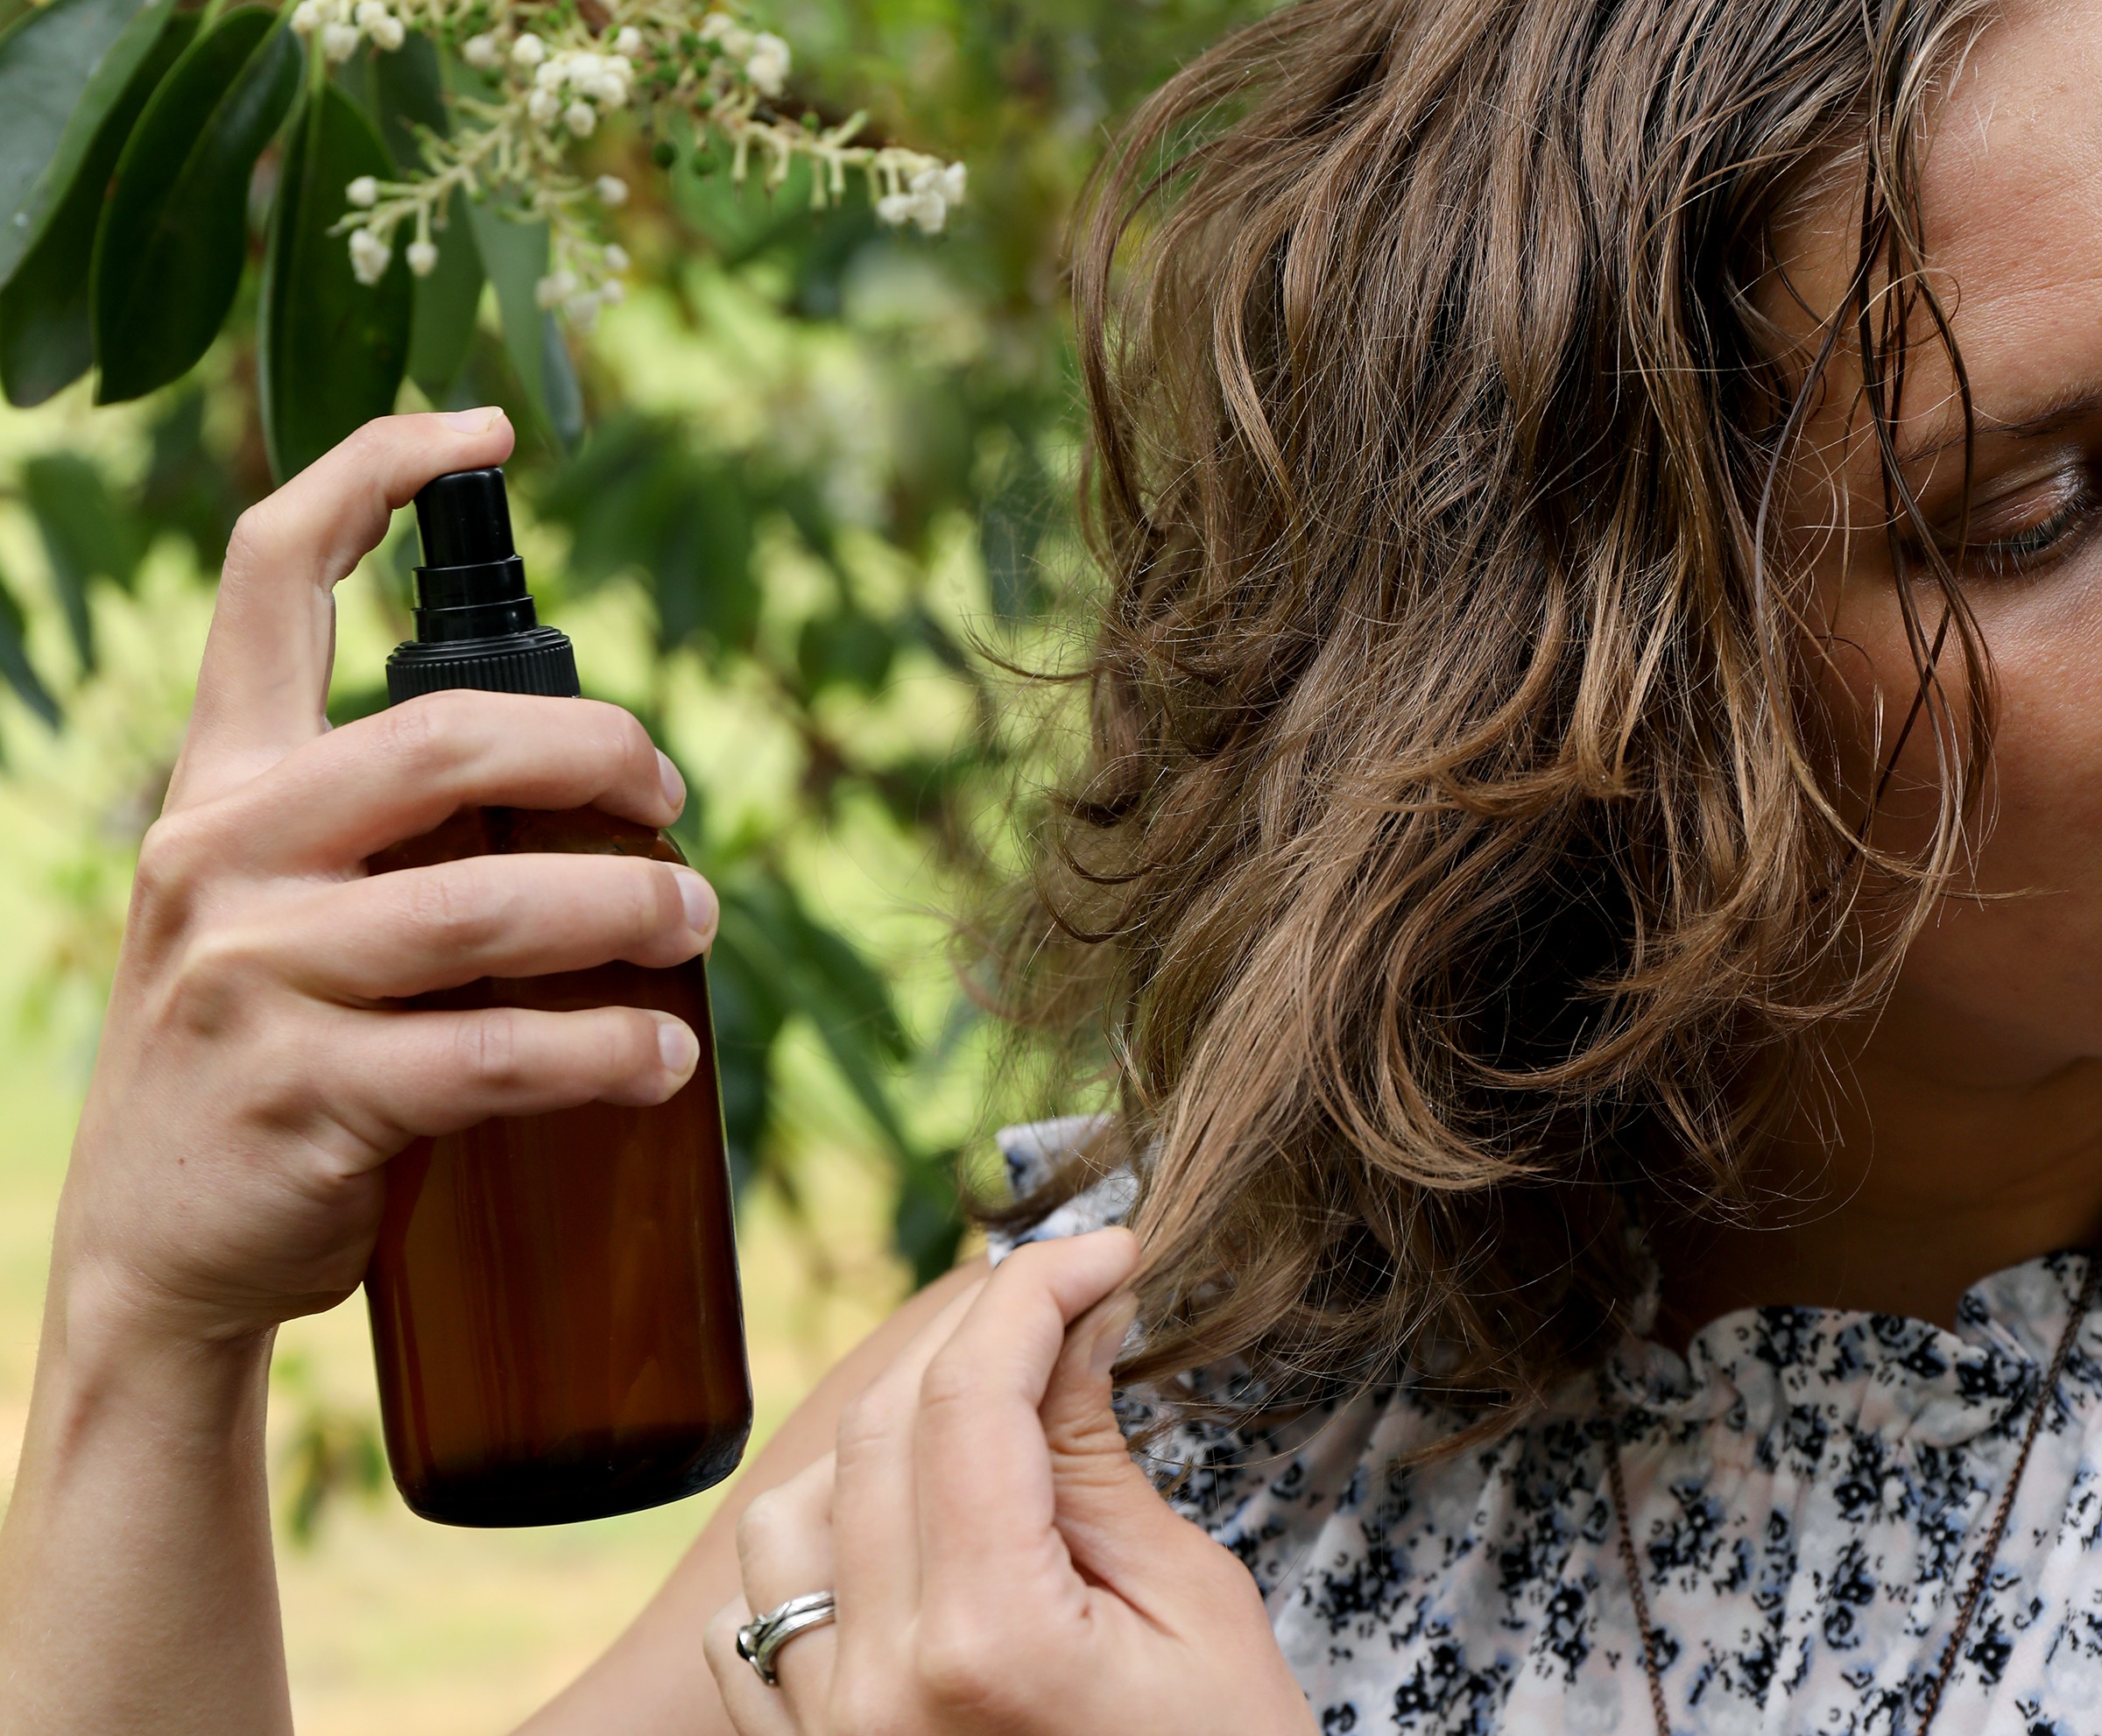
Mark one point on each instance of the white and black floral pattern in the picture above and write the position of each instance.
(1810, 1488)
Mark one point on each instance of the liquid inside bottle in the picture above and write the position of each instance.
(554, 1298)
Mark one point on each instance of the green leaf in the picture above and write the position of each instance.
(407, 94)
(404, 91)
(174, 233)
(46, 327)
(59, 68)
(330, 350)
(86, 536)
(515, 255)
(818, 974)
(634, 497)
(442, 330)
(15, 666)
(748, 1018)
(188, 488)
(845, 648)
(925, 1227)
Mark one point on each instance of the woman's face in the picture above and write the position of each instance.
(2006, 993)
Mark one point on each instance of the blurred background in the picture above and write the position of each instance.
(824, 469)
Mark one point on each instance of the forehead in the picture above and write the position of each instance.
(2011, 190)
(2011, 210)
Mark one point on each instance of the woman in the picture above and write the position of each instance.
(1586, 887)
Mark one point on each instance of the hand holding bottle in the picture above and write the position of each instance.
(253, 1080)
(1000, 1564)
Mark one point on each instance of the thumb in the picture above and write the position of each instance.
(1115, 1524)
(263, 688)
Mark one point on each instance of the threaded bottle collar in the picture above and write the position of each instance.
(475, 626)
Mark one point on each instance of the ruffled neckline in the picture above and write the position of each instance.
(1888, 1374)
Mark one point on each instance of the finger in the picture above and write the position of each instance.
(393, 935)
(875, 1527)
(397, 773)
(403, 1075)
(263, 686)
(784, 1551)
(754, 1709)
(1115, 1523)
(986, 1501)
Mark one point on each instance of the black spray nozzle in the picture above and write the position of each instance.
(475, 626)
(463, 519)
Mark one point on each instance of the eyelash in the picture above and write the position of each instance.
(2050, 540)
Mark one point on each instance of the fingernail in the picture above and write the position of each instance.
(676, 1046)
(698, 898)
(1109, 1335)
(675, 785)
(472, 422)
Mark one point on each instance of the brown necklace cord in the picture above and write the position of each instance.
(1980, 1575)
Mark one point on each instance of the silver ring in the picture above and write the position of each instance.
(762, 1638)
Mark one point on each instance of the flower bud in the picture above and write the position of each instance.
(308, 17)
(629, 42)
(339, 42)
(612, 292)
(611, 190)
(555, 288)
(364, 191)
(482, 51)
(543, 106)
(529, 50)
(767, 66)
(388, 33)
(616, 256)
(369, 255)
(580, 118)
(422, 257)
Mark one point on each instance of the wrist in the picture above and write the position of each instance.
(110, 1354)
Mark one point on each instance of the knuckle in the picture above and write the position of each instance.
(490, 1048)
(253, 539)
(428, 732)
(763, 1525)
(719, 1639)
(214, 976)
(623, 741)
(454, 905)
(171, 860)
(631, 1042)
(964, 1665)
(863, 1421)
(950, 1381)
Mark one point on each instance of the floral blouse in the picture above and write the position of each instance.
(1809, 1487)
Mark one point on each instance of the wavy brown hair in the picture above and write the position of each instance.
(1458, 871)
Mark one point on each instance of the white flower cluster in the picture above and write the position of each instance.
(342, 25)
(925, 199)
(564, 289)
(555, 77)
(763, 54)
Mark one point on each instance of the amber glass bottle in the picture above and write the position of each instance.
(554, 1298)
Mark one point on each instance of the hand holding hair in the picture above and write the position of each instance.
(1000, 1562)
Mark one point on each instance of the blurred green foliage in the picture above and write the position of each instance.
(952, 451)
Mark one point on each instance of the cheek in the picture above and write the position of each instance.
(2026, 961)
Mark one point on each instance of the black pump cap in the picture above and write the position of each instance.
(475, 622)
(463, 519)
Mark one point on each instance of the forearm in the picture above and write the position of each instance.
(136, 1587)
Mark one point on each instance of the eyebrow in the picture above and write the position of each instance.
(2064, 407)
